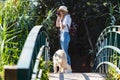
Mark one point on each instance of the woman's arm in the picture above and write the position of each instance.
(61, 21)
(61, 25)
(58, 21)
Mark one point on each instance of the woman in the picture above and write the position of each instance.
(63, 22)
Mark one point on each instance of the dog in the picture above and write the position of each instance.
(60, 61)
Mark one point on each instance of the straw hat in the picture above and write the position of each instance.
(63, 8)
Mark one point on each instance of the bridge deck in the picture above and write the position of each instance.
(78, 76)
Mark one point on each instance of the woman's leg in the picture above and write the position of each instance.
(64, 40)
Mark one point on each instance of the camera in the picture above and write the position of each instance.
(57, 13)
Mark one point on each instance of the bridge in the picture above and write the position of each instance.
(36, 49)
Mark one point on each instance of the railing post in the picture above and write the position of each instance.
(61, 76)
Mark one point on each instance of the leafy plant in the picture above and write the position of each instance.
(112, 73)
(45, 69)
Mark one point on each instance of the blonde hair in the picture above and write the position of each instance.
(64, 12)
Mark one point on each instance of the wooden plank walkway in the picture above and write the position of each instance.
(78, 76)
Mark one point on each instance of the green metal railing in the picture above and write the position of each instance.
(108, 50)
(35, 45)
(35, 40)
(36, 72)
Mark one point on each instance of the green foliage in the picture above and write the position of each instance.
(48, 22)
(112, 73)
(8, 35)
(46, 69)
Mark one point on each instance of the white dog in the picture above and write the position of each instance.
(60, 60)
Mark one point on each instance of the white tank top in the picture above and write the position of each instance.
(66, 22)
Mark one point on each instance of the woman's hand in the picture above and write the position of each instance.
(60, 17)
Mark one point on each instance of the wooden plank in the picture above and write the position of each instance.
(10, 73)
(78, 76)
